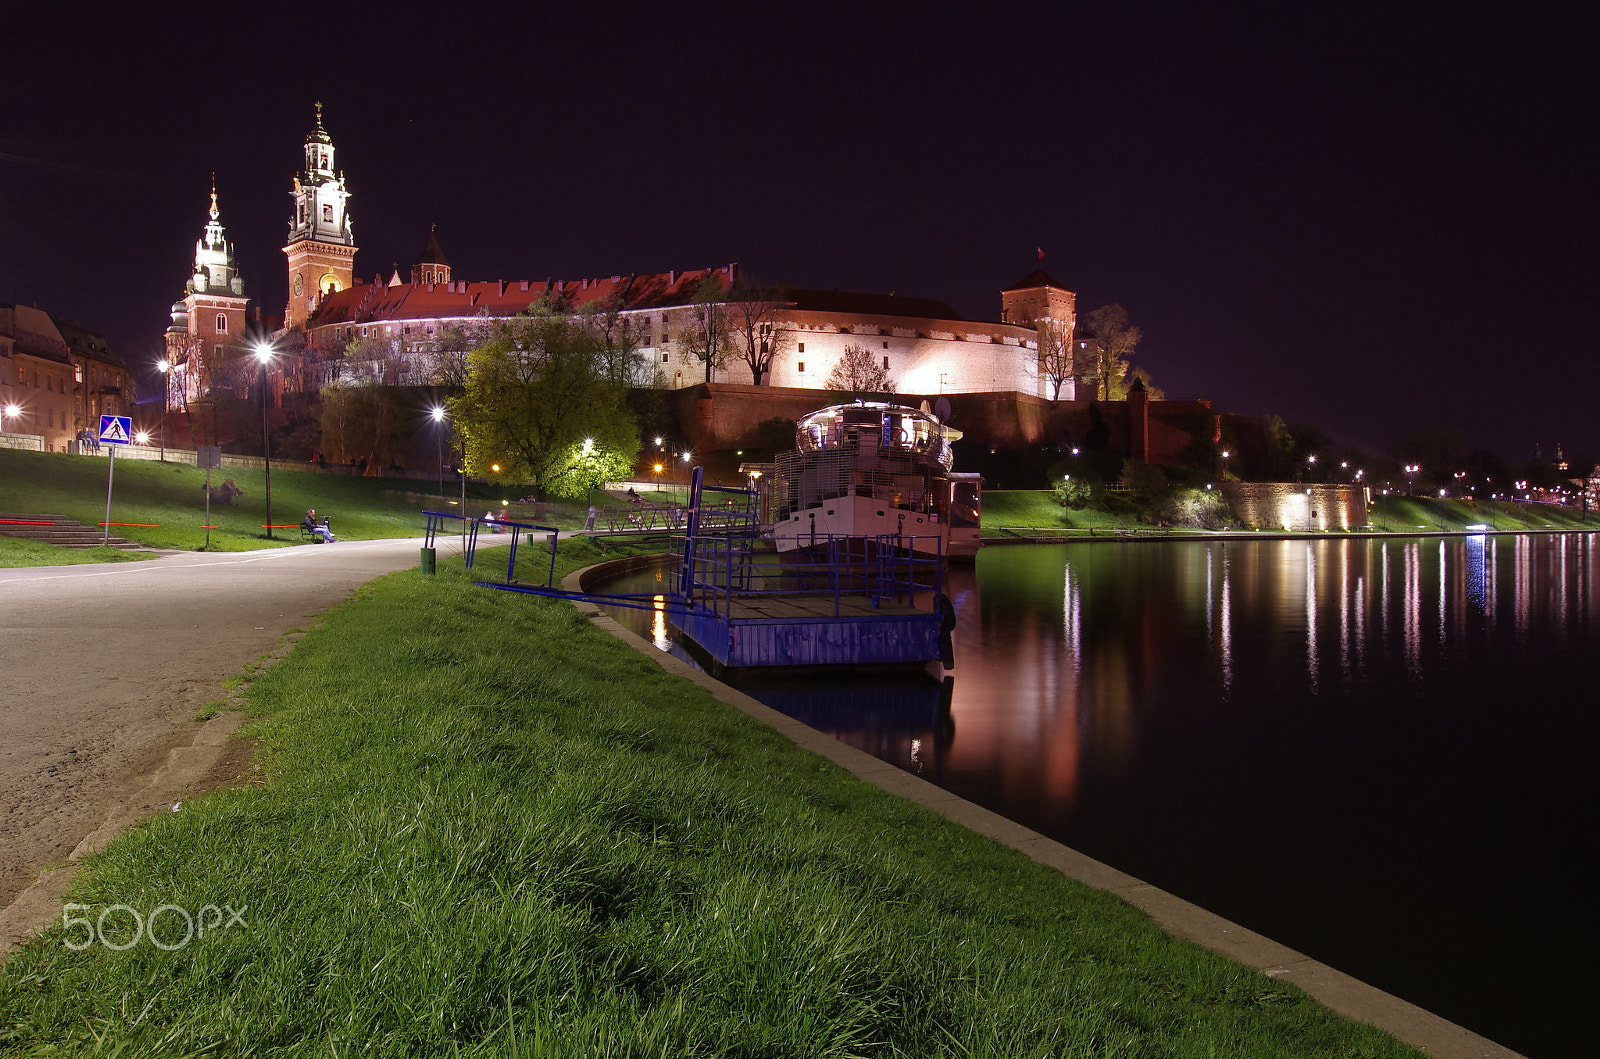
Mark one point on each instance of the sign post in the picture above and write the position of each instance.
(114, 430)
(208, 456)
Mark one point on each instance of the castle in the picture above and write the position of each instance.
(921, 344)
(1024, 372)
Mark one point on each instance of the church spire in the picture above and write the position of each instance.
(322, 244)
(216, 271)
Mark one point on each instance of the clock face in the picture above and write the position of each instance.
(299, 285)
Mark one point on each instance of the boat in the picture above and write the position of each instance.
(874, 472)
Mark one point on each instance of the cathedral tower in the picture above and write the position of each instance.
(322, 246)
(209, 320)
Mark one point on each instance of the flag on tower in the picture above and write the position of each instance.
(1040, 249)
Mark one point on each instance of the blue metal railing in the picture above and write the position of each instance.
(436, 520)
(720, 570)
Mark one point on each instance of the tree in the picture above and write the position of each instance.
(618, 339)
(1057, 354)
(535, 392)
(753, 326)
(858, 373)
(1117, 342)
(703, 338)
(361, 419)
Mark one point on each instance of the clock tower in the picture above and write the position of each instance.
(322, 247)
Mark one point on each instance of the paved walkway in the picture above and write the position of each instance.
(107, 665)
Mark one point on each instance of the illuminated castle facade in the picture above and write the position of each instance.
(921, 345)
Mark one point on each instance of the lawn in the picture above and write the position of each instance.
(165, 502)
(486, 828)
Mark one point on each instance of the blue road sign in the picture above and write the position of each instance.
(117, 430)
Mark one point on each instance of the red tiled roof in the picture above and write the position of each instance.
(376, 302)
(1037, 278)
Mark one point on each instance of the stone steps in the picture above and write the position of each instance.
(62, 532)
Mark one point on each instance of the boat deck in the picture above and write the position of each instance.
(820, 607)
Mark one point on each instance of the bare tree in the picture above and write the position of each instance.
(753, 325)
(617, 339)
(859, 372)
(703, 337)
(1057, 359)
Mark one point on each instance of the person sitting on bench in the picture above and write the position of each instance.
(310, 525)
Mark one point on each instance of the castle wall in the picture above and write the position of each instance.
(1296, 506)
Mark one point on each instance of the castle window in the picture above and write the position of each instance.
(665, 357)
(802, 367)
(886, 345)
(222, 324)
(886, 363)
(802, 346)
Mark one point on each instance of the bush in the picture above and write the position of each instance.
(1196, 509)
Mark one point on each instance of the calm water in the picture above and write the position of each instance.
(1379, 752)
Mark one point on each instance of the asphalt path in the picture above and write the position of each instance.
(103, 668)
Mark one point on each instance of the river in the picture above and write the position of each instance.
(1376, 751)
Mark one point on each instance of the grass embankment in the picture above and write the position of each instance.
(169, 501)
(1400, 514)
(1038, 509)
(16, 552)
(489, 829)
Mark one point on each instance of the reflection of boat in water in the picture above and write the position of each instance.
(870, 470)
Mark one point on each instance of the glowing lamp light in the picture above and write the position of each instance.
(495, 467)
(142, 437)
(437, 414)
(588, 446)
(658, 468)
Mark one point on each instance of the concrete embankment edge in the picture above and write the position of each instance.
(1335, 990)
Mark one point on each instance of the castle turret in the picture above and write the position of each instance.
(322, 244)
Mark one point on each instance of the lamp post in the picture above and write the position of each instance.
(264, 357)
(438, 440)
(164, 366)
(10, 411)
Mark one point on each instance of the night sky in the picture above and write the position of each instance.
(1369, 222)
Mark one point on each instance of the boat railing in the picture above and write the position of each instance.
(886, 567)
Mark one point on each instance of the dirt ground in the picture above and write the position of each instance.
(107, 666)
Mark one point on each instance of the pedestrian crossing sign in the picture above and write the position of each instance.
(118, 430)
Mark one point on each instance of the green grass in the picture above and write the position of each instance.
(1430, 514)
(17, 552)
(170, 496)
(1039, 509)
(491, 830)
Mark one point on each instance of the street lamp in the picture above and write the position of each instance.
(263, 358)
(438, 442)
(164, 366)
(10, 411)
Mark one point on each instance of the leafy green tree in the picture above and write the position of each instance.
(1117, 341)
(536, 391)
(859, 373)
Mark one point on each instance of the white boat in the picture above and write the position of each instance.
(869, 470)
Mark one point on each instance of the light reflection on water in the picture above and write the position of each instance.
(1375, 751)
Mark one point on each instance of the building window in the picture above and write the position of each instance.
(802, 367)
(222, 324)
(885, 363)
(802, 347)
(665, 357)
(886, 345)
(327, 215)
